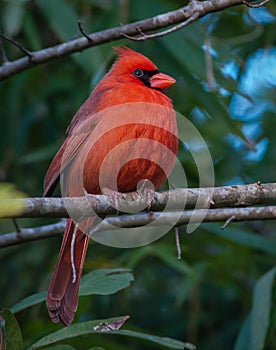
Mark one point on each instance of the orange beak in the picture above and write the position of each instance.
(161, 81)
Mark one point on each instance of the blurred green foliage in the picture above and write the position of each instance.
(7, 192)
(209, 297)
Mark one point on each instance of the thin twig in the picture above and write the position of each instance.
(138, 220)
(144, 36)
(177, 242)
(227, 222)
(15, 43)
(83, 32)
(209, 65)
(17, 228)
(248, 3)
(3, 53)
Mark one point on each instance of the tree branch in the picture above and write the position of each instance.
(144, 36)
(217, 197)
(199, 198)
(5, 59)
(32, 234)
(213, 215)
(255, 4)
(138, 220)
(194, 10)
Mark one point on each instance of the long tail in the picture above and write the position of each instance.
(62, 296)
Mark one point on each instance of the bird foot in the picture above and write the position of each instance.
(113, 198)
(146, 188)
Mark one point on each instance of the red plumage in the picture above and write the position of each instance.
(126, 127)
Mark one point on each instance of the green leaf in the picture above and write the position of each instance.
(105, 281)
(101, 281)
(167, 254)
(40, 154)
(193, 63)
(53, 11)
(29, 301)
(60, 347)
(181, 43)
(8, 206)
(261, 308)
(11, 332)
(87, 328)
(243, 337)
(12, 17)
(256, 325)
(89, 60)
(164, 341)
(30, 29)
(242, 237)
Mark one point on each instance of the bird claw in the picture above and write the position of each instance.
(86, 194)
(146, 188)
(113, 198)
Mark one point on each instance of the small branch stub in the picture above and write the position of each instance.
(19, 46)
(227, 222)
(83, 32)
(255, 4)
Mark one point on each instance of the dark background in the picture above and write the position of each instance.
(204, 298)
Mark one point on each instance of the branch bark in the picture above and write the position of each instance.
(32, 234)
(224, 197)
(226, 215)
(213, 215)
(217, 197)
(194, 10)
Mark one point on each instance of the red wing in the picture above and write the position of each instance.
(80, 127)
(52, 176)
(67, 153)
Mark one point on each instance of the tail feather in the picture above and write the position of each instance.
(62, 296)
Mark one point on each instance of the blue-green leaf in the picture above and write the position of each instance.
(29, 301)
(12, 338)
(101, 281)
(251, 240)
(91, 327)
(243, 336)
(261, 308)
(105, 281)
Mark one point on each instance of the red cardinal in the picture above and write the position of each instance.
(125, 132)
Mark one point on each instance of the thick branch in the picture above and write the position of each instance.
(217, 197)
(212, 215)
(194, 10)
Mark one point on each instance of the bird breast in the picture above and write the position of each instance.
(127, 143)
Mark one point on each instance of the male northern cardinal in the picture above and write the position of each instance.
(127, 110)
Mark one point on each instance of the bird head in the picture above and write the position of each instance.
(133, 67)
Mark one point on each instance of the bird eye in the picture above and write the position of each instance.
(138, 73)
